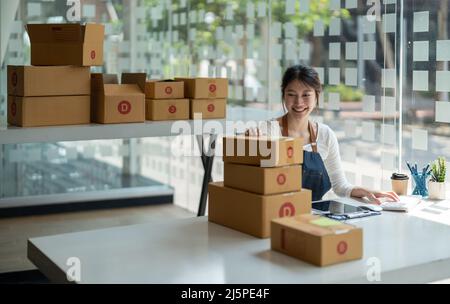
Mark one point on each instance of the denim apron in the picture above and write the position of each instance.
(315, 176)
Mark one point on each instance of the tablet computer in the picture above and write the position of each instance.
(340, 211)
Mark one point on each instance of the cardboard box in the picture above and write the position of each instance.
(317, 240)
(48, 111)
(156, 89)
(66, 44)
(165, 89)
(200, 88)
(166, 109)
(48, 80)
(263, 180)
(209, 108)
(262, 150)
(116, 103)
(251, 213)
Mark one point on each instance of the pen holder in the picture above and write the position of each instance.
(420, 184)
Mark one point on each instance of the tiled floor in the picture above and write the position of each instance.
(14, 232)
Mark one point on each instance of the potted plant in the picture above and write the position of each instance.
(436, 185)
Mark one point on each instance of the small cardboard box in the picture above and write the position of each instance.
(166, 109)
(164, 89)
(262, 150)
(66, 44)
(48, 80)
(209, 108)
(317, 240)
(263, 180)
(201, 88)
(251, 213)
(116, 103)
(156, 89)
(48, 111)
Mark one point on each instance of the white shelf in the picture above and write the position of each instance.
(17, 135)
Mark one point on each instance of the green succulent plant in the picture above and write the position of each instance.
(438, 170)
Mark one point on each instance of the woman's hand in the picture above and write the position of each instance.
(374, 196)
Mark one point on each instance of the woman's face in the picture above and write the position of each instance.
(299, 99)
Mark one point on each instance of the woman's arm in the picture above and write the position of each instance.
(333, 165)
(373, 196)
(340, 184)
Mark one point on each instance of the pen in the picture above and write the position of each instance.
(409, 167)
(425, 169)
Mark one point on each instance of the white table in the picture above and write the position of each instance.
(409, 248)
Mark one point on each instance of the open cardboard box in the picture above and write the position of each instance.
(66, 44)
(156, 89)
(116, 103)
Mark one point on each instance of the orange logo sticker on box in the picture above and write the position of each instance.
(124, 107)
(13, 108)
(172, 109)
(212, 87)
(168, 90)
(342, 247)
(281, 179)
(290, 152)
(287, 209)
(14, 79)
(211, 107)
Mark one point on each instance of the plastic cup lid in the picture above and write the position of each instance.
(399, 176)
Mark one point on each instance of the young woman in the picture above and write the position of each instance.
(322, 168)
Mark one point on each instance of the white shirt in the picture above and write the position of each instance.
(328, 148)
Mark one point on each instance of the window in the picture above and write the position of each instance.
(385, 75)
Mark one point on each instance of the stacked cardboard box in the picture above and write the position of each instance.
(262, 181)
(208, 96)
(164, 99)
(55, 90)
(317, 240)
(46, 96)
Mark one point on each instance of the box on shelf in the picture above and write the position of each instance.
(201, 88)
(66, 44)
(263, 180)
(164, 89)
(251, 213)
(317, 240)
(209, 108)
(167, 109)
(262, 150)
(48, 111)
(156, 89)
(48, 80)
(116, 103)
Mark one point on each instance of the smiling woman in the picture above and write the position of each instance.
(322, 169)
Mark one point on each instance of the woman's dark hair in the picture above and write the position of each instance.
(304, 74)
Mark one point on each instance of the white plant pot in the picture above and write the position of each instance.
(436, 190)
